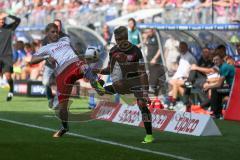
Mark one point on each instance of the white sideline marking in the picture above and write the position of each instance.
(98, 140)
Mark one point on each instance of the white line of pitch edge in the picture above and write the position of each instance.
(98, 140)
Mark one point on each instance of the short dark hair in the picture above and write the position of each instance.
(121, 32)
(58, 20)
(49, 26)
(27, 45)
(221, 46)
(183, 43)
(215, 54)
(221, 50)
(133, 20)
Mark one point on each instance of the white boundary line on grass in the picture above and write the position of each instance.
(98, 140)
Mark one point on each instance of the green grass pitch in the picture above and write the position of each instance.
(22, 142)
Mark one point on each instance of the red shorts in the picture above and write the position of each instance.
(66, 79)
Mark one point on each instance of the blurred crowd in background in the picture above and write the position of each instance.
(38, 12)
(96, 13)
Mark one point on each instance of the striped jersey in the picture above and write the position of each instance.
(61, 51)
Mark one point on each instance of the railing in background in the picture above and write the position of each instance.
(193, 16)
(99, 17)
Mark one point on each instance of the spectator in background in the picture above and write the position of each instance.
(34, 71)
(19, 55)
(171, 54)
(38, 13)
(182, 73)
(59, 6)
(198, 76)
(170, 4)
(6, 60)
(74, 7)
(154, 61)
(27, 69)
(221, 50)
(106, 34)
(227, 73)
(48, 70)
(111, 10)
(133, 32)
(152, 47)
(225, 10)
(189, 4)
(147, 4)
(129, 6)
(87, 7)
(202, 10)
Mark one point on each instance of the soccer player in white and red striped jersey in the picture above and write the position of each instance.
(68, 68)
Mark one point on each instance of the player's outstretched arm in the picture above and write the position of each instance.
(38, 59)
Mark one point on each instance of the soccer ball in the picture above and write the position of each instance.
(92, 53)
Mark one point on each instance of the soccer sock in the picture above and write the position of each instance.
(63, 114)
(49, 92)
(65, 124)
(147, 119)
(109, 89)
(10, 82)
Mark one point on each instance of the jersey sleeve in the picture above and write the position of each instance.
(42, 51)
(14, 24)
(224, 72)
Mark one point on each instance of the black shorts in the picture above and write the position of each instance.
(4, 67)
